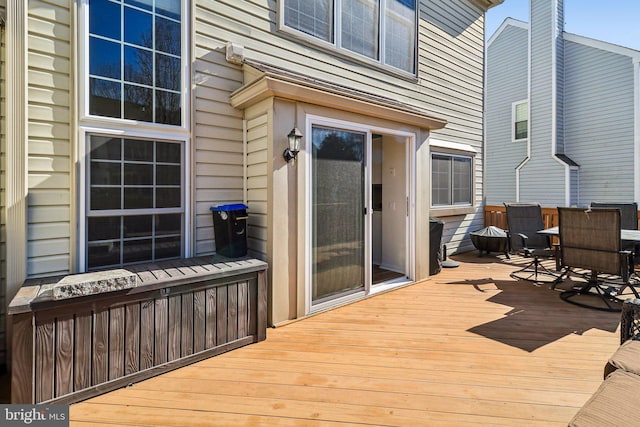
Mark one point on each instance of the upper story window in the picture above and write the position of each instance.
(451, 178)
(382, 30)
(520, 120)
(135, 60)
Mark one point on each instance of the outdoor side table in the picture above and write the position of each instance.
(490, 239)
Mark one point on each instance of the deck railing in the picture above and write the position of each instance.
(497, 216)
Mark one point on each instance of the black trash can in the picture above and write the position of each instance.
(230, 229)
(435, 245)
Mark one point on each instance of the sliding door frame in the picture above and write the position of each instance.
(305, 157)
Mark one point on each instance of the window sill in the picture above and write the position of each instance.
(451, 211)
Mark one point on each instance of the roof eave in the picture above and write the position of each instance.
(287, 87)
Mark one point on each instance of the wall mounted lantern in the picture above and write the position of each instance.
(292, 151)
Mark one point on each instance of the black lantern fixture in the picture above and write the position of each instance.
(292, 151)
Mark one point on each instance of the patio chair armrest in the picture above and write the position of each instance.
(524, 238)
(627, 264)
(630, 320)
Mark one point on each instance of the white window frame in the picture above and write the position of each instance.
(336, 48)
(514, 106)
(83, 65)
(126, 128)
(83, 201)
(452, 155)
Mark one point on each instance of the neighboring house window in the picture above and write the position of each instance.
(382, 30)
(135, 60)
(135, 201)
(451, 177)
(135, 183)
(520, 120)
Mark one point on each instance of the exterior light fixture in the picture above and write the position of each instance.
(292, 151)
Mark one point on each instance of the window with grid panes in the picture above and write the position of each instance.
(520, 121)
(451, 178)
(382, 30)
(135, 207)
(135, 60)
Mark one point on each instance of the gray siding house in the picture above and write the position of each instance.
(125, 121)
(562, 114)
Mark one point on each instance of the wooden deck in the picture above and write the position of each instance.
(471, 346)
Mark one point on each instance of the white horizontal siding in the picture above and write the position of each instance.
(599, 122)
(49, 164)
(450, 71)
(257, 184)
(451, 68)
(218, 160)
(507, 82)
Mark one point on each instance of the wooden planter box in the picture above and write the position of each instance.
(71, 343)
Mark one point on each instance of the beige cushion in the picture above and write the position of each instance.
(615, 403)
(627, 358)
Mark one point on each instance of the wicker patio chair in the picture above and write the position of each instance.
(616, 401)
(524, 221)
(590, 240)
(627, 356)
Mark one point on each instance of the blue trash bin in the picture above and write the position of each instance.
(230, 229)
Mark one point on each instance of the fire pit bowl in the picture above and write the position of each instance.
(490, 239)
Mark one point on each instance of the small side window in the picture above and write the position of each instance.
(451, 180)
(520, 121)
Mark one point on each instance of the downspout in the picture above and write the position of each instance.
(16, 182)
(245, 141)
(528, 156)
(484, 113)
(636, 127)
(16, 147)
(554, 105)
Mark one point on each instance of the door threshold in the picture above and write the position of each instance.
(390, 284)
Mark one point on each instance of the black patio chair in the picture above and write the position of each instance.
(590, 241)
(628, 213)
(524, 221)
(628, 220)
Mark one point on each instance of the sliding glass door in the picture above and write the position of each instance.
(338, 212)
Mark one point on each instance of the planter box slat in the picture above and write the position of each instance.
(44, 361)
(83, 354)
(64, 360)
(199, 332)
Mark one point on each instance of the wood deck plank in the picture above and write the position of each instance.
(470, 346)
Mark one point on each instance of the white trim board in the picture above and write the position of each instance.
(602, 45)
(451, 145)
(506, 23)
